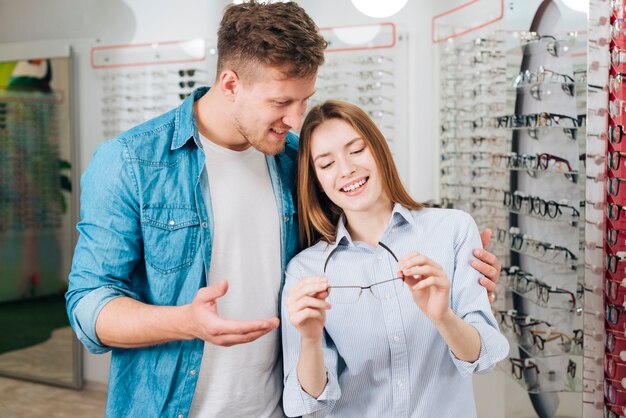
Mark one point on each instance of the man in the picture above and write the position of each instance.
(201, 194)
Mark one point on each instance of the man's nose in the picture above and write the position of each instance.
(294, 118)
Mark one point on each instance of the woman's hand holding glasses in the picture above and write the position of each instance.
(307, 306)
(428, 283)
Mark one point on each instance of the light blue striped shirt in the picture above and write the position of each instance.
(385, 357)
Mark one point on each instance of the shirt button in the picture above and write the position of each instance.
(396, 338)
(204, 224)
(399, 383)
(180, 416)
(286, 218)
(192, 372)
(172, 223)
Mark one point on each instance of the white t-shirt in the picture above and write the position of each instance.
(244, 380)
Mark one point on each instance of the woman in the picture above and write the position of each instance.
(383, 315)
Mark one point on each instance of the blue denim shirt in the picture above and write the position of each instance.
(146, 233)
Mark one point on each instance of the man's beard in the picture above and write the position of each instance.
(260, 143)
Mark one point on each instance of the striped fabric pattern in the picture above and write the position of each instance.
(385, 357)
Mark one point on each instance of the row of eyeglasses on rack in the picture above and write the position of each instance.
(611, 30)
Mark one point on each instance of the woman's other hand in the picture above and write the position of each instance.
(428, 283)
(307, 306)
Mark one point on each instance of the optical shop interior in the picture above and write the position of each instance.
(510, 110)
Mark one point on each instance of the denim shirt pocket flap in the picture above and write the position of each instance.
(170, 236)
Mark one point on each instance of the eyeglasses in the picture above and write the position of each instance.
(513, 160)
(372, 60)
(616, 133)
(618, 56)
(519, 366)
(524, 244)
(541, 337)
(540, 76)
(613, 313)
(188, 83)
(379, 113)
(384, 290)
(613, 184)
(535, 120)
(614, 342)
(615, 159)
(615, 81)
(610, 413)
(374, 100)
(544, 291)
(520, 280)
(553, 209)
(614, 211)
(518, 323)
(190, 72)
(616, 108)
(613, 259)
(553, 45)
(613, 393)
(540, 91)
(483, 57)
(371, 74)
(468, 171)
(542, 161)
(475, 141)
(571, 368)
(615, 290)
(515, 201)
(374, 86)
(612, 236)
(523, 282)
(614, 361)
(617, 29)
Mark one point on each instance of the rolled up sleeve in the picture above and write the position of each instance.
(109, 246)
(469, 302)
(296, 401)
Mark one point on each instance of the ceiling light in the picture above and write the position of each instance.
(379, 8)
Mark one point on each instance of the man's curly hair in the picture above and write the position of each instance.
(279, 35)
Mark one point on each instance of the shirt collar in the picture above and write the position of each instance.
(342, 236)
(185, 126)
(400, 213)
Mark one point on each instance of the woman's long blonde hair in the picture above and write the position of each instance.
(318, 215)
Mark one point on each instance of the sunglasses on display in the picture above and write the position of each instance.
(190, 72)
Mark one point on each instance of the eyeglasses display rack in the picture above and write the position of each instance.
(513, 118)
(607, 58)
(140, 82)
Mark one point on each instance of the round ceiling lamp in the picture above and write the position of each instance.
(378, 8)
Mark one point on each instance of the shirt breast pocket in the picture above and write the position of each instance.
(170, 237)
